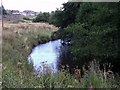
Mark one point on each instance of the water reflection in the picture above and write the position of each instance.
(46, 55)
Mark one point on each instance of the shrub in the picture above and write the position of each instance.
(25, 18)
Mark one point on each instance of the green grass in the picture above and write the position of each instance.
(17, 73)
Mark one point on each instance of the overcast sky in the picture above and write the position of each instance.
(35, 5)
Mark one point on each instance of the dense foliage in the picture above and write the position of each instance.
(42, 17)
(93, 30)
(64, 16)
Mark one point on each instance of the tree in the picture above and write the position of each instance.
(93, 30)
(66, 15)
(42, 17)
(3, 10)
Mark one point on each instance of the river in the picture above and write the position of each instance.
(45, 57)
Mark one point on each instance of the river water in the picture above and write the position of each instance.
(45, 57)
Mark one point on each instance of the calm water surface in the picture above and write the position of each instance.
(46, 55)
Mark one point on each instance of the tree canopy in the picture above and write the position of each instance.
(92, 28)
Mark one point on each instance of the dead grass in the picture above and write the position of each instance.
(27, 33)
(29, 26)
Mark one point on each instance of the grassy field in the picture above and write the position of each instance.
(18, 39)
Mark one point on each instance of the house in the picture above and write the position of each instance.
(9, 11)
(24, 13)
(28, 13)
(15, 12)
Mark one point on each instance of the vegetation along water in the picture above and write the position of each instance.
(89, 34)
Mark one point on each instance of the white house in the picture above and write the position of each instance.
(28, 13)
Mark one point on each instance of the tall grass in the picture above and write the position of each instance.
(18, 40)
(96, 78)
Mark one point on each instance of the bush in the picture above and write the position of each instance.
(25, 18)
(42, 17)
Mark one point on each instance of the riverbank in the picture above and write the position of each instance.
(18, 41)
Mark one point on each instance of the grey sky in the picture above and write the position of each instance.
(35, 5)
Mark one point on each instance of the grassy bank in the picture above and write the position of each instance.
(18, 40)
